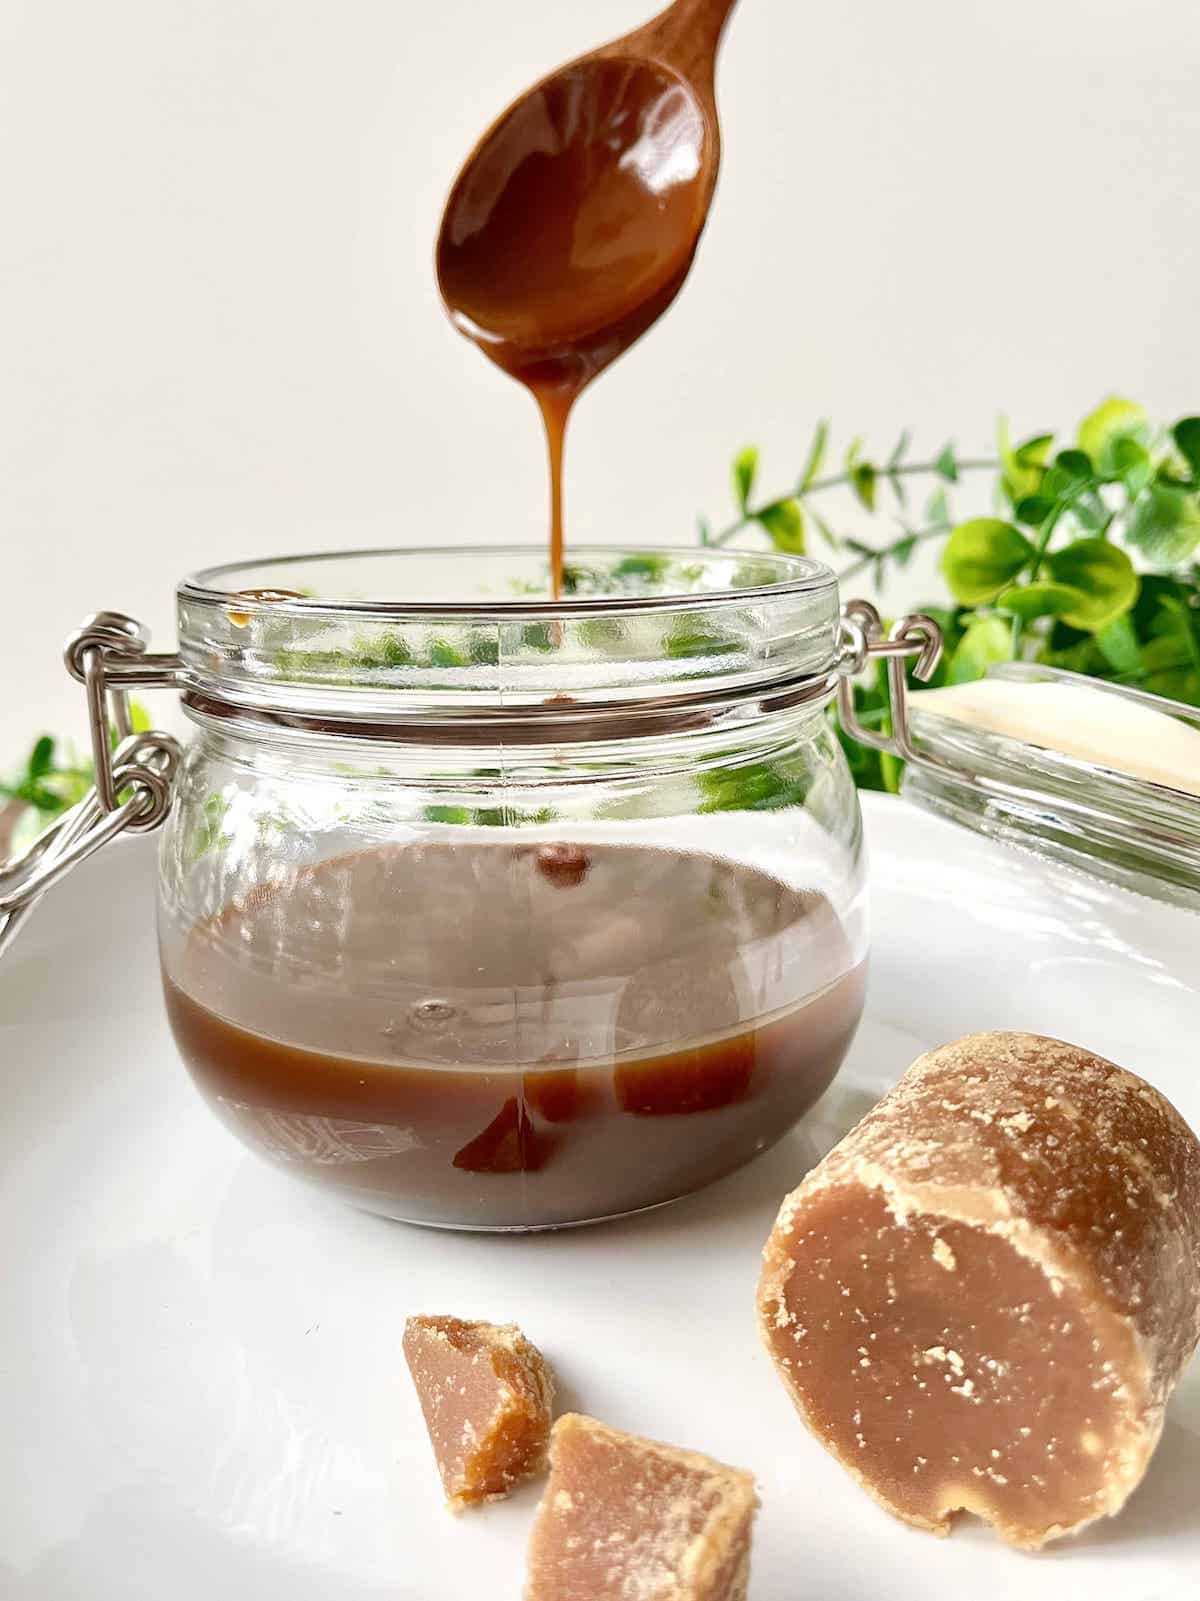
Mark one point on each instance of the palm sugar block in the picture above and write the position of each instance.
(982, 1298)
(486, 1394)
(627, 1519)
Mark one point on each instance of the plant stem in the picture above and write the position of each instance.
(841, 480)
(1051, 524)
(912, 469)
(919, 537)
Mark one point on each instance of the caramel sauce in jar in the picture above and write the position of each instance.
(514, 1036)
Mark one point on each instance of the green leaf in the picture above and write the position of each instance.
(692, 638)
(395, 651)
(937, 508)
(1022, 466)
(946, 465)
(982, 557)
(1061, 483)
(1033, 510)
(902, 550)
(1102, 573)
(443, 654)
(863, 481)
(1090, 512)
(209, 833)
(381, 650)
(1171, 659)
(745, 467)
(987, 640)
(1075, 465)
(1034, 451)
(1119, 644)
(863, 475)
(646, 565)
(754, 786)
(37, 795)
(601, 633)
(139, 717)
(784, 523)
(447, 814)
(1112, 420)
(1159, 603)
(1165, 525)
(537, 636)
(1186, 435)
(1030, 601)
(1132, 464)
(816, 457)
(899, 451)
(823, 528)
(41, 757)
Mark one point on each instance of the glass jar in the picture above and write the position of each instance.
(501, 912)
(1111, 824)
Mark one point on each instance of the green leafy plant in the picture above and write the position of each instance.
(1087, 562)
(54, 777)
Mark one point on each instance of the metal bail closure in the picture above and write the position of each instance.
(863, 638)
(134, 771)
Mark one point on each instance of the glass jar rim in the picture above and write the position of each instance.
(369, 637)
(793, 574)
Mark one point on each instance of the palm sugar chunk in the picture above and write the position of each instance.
(626, 1519)
(982, 1298)
(486, 1393)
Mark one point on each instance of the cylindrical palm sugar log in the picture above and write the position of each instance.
(982, 1298)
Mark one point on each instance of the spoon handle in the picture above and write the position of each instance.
(686, 35)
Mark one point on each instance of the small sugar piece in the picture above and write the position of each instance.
(486, 1393)
(627, 1519)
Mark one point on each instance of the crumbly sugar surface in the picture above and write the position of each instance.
(628, 1519)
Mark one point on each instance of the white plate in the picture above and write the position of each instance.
(202, 1388)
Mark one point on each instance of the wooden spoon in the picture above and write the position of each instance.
(573, 223)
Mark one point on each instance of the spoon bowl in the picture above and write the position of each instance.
(577, 219)
(573, 223)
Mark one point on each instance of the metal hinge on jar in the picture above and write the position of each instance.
(915, 635)
(133, 776)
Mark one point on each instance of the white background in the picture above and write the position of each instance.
(218, 329)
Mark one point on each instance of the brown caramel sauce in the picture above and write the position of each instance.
(491, 1035)
(242, 619)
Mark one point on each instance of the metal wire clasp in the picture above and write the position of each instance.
(863, 638)
(132, 788)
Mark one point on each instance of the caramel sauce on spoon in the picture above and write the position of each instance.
(572, 226)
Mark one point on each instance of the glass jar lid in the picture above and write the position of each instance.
(997, 766)
(381, 636)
